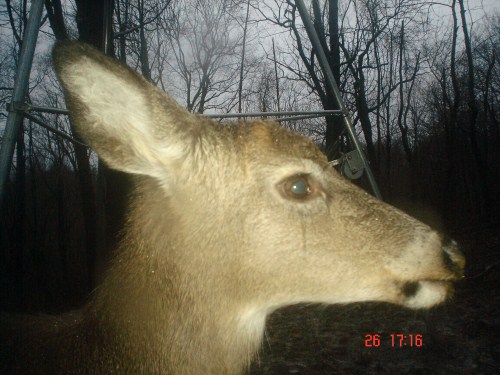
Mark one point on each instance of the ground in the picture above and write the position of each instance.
(460, 337)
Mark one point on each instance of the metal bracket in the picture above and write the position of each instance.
(351, 164)
(25, 108)
(17, 107)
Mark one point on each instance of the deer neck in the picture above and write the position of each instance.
(168, 316)
(167, 327)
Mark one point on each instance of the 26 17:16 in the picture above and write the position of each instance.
(398, 340)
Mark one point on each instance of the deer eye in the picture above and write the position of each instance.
(296, 187)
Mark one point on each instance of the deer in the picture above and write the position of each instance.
(227, 223)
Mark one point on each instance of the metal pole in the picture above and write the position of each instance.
(333, 112)
(332, 85)
(51, 129)
(26, 107)
(107, 31)
(14, 118)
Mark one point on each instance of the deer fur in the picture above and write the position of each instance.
(227, 224)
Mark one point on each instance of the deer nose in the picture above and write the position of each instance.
(453, 257)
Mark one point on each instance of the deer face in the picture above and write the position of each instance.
(305, 234)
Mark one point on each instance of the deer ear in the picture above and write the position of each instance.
(133, 126)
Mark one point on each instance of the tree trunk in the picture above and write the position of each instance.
(143, 47)
(56, 19)
(240, 85)
(89, 25)
(364, 115)
(334, 124)
(276, 77)
(122, 27)
(20, 212)
(481, 175)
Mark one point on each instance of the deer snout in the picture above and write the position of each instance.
(429, 266)
(435, 288)
(453, 257)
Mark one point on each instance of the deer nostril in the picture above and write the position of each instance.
(410, 289)
(452, 257)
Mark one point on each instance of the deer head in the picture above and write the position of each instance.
(229, 223)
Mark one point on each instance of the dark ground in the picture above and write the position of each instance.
(461, 337)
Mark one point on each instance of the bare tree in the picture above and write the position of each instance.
(205, 44)
(360, 32)
(303, 64)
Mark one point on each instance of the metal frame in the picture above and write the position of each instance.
(14, 118)
(332, 85)
(18, 109)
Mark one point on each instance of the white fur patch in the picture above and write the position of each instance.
(253, 321)
(110, 98)
(430, 293)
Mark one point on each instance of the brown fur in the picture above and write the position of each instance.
(215, 239)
